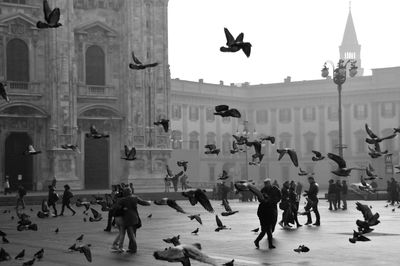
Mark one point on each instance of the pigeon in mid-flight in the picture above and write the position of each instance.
(137, 65)
(3, 92)
(212, 149)
(374, 138)
(130, 154)
(20, 255)
(71, 147)
(228, 210)
(94, 134)
(173, 240)
(224, 111)
(52, 17)
(234, 45)
(220, 225)
(358, 237)
(183, 164)
(342, 170)
(39, 255)
(196, 217)
(4, 255)
(171, 203)
(31, 151)
(292, 154)
(164, 123)
(200, 196)
(318, 156)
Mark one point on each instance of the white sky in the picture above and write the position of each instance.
(289, 37)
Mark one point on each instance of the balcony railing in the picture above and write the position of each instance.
(97, 91)
(23, 87)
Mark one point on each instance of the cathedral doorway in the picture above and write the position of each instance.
(97, 167)
(18, 167)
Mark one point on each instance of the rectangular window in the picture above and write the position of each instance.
(210, 114)
(176, 111)
(333, 113)
(360, 111)
(388, 169)
(193, 113)
(285, 115)
(309, 145)
(262, 116)
(388, 109)
(309, 114)
(194, 144)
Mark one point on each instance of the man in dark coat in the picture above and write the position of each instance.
(312, 201)
(393, 190)
(66, 200)
(332, 194)
(344, 194)
(52, 199)
(131, 219)
(268, 212)
(338, 187)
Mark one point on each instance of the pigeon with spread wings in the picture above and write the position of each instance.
(164, 123)
(183, 164)
(225, 111)
(376, 151)
(171, 203)
(200, 196)
(137, 65)
(95, 134)
(292, 154)
(130, 154)
(31, 151)
(220, 225)
(317, 156)
(228, 210)
(212, 149)
(342, 169)
(245, 185)
(234, 45)
(51, 17)
(374, 138)
(3, 92)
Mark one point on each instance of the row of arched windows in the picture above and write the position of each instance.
(17, 65)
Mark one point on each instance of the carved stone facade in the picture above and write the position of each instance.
(58, 105)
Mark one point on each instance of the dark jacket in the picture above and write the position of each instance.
(344, 189)
(267, 209)
(53, 197)
(131, 215)
(313, 192)
(67, 196)
(332, 188)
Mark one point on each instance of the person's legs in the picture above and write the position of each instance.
(109, 219)
(259, 237)
(344, 199)
(23, 203)
(269, 234)
(132, 239)
(338, 200)
(70, 208)
(317, 217)
(62, 209)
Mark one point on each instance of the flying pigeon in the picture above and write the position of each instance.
(268, 138)
(20, 255)
(4, 255)
(150, 215)
(173, 240)
(256, 230)
(52, 17)
(94, 134)
(223, 176)
(195, 232)
(96, 216)
(376, 151)
(235, 148)
(304, 173)
(71, 147)
(220, 225)
(196, 217)
(85, 249)
(164, 123)
(29, 262)
(80, 238)
(171, 203)
(39, 255)
(182, 164)
(2, 233)
(234, 45)
(301, 248)
(292, 155)
(31, 151)
(342, 170)
(254, 157)
(374, 138)
(224, 111)
(370, 171)
(318, 156)
(130, 154)
(229, 263)
(198, 195)
(212, 149)
(396, 130)
(245, 185)
(358, 237)
(137, 65)
(183, 253)
(228, 211)
(3, 92)
(5, 240)
(241, 140)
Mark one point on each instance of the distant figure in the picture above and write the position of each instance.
(131, 187)
(224, 191)
(388, 190)
(299, 189)
(20, 197)
(54, 182)
(184, 184)
(393, 191)
(284, 205)
(294, 202)
(66, 200)
(167, 183)
(343, 194)
(6, 186)
(338, 190)
(332, 194)
(52, 199)
(275, 183)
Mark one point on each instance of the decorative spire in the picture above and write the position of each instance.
(350, 36)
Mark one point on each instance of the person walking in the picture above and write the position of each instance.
(343, 194)
(21, 193)
(267, 212)
(284, 205)
(6, 186)
(393, 191)
(118, 213)
(294, 203)
(66, 200)
(131, 219)
(338, 189)
(52, 199)
(299, 190)
(332, 195)
(312, 201)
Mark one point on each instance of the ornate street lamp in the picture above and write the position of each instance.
(339, 77)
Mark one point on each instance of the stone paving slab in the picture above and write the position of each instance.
(328, 243)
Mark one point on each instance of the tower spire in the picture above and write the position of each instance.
(350, 48)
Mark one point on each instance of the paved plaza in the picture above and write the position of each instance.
(328, 243)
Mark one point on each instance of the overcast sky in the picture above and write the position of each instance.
(289, 37)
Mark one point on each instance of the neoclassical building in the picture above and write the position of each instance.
(301, 115)
(61, 81)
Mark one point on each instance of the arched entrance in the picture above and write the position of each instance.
(96, 163)
(16, 163)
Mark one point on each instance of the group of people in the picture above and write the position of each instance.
(393, 190)
(124, 214)
(289, 197)
(337, 193)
